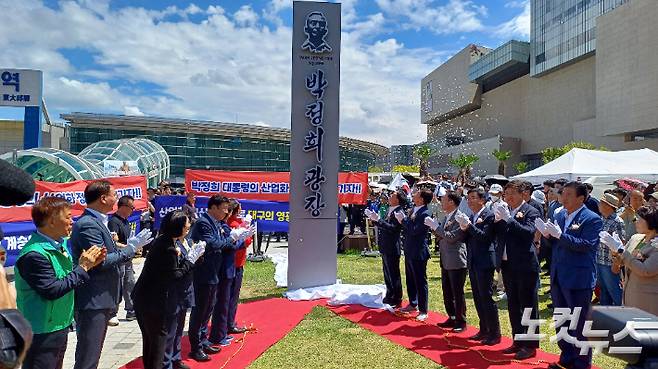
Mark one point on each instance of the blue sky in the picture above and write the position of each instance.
(230, 60)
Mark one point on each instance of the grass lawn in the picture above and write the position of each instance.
(324, 340)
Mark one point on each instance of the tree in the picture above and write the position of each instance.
(464, 163)
(521, 167)
(405, 169)
(551, 153)
(423, 153)
(502, 157)
(375, 169)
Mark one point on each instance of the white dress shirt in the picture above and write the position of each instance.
(391, 210)
(513, 214)
(103, 217)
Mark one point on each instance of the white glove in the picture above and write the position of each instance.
(368, 212)
(613, 241)
(553, 229)
(236, 233)
(399, 216)
(541, 227)
(654, 242)
(143, 238)
(249, 233)
(374, 217)
(196, 251)
(248, 219)
(430, 222)
(502, 213)
(463, 220)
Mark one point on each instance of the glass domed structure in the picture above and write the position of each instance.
(52, 165)
(151, 158)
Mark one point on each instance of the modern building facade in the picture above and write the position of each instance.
(402, 155)
(589, 73)
(193, 144)
(52, 136)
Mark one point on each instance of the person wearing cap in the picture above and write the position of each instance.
(495, 195)
(611, 292)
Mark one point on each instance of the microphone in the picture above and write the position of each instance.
(16, 185)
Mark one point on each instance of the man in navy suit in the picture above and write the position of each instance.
(220, 324)
(416, 252)
(516, 255)
(389, 246)
(481, 260)
(96, 300)
(208, 272)
(573, 271)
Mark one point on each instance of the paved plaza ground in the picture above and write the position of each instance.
(124, 342)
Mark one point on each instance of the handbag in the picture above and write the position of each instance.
(15, 338)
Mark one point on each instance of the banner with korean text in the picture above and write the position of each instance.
(18, 233)
(74, 192)
(271, 216)
(268, 186)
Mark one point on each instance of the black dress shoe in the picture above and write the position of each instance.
(387, 300)
(237, 330)
(180, 365)
(211, 350)
(511, 350)
(449, 323)
(491, 341)
(199, 356)
(459, 328)
(478, 337)
(525, 353)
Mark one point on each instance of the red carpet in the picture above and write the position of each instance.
(429, 340)
(273, 318)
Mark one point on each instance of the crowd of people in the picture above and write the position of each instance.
(79, 272)
(75, 274)
(605, 247)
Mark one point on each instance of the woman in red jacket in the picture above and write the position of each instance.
(235, 221)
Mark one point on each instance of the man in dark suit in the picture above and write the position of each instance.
(452, 250)
(514, 223)
(96, 301)
(207, 228)
(573, 275)
(416, 252)
(389, 246)
(481, 257)
(220, 324)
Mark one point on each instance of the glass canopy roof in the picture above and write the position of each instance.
(52, 165)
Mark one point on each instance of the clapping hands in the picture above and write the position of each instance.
(372, 215)
(143, 238)
(432, 223)
(463, 220)
(196, 251)
(613, 241)
(501, 211)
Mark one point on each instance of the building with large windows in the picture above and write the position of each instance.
(193, 144)
(588, 73)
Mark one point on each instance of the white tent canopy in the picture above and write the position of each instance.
(612, 165)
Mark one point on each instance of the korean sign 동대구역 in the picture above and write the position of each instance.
(314, 144)
(20, 87)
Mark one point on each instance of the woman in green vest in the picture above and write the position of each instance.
(45, 280)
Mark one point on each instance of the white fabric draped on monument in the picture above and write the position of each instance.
(338, 294)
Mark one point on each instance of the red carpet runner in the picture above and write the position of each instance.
(428, 340)
(273, 318)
